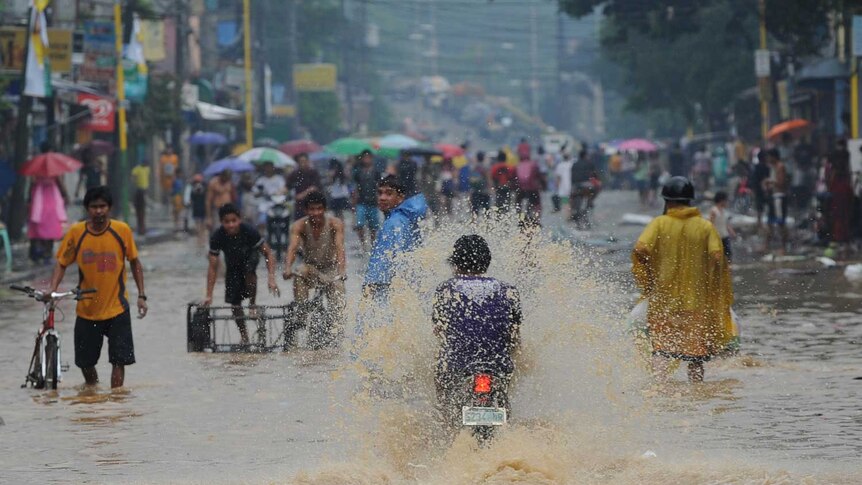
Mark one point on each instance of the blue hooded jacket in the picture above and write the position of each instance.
(400, 233)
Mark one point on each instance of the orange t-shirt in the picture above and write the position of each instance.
(169, 165)
(101, 260)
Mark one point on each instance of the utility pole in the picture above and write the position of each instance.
(435, 51)
(346, 64)
(562, 97)
(854, 81)
(123, 178)
(293, 58)
(17, 208)
(246, 43)
(180, 69)
(534, 60)
(764, 81)
(363, 45)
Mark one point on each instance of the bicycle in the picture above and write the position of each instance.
(45, 370)
(317, 315)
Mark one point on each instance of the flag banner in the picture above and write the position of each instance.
(37, 73)
(135, 64)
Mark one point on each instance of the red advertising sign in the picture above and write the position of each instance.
(101, 111)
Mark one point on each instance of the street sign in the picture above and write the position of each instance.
(857, 35)
(762, 60)
(854, 146)
(101, 112)
(314, 77)
(284, 111)
(13, 43)
(99, 52)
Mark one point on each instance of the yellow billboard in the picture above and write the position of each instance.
(13, 43)
(314, 77)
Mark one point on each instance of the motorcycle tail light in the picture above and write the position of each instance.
(482, 384)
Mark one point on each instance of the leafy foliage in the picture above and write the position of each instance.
(692, 57)
(160, 109)
(320, 114)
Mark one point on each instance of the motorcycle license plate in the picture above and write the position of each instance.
(476, 416)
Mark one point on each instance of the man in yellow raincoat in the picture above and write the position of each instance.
(680, 268)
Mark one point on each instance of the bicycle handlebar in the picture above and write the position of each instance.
(340, 277)
(43, 296)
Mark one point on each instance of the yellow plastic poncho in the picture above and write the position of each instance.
(680, 268)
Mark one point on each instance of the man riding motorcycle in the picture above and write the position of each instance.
(477, 319)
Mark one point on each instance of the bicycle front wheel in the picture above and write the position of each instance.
(52, 359)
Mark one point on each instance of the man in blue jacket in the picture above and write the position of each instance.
(400, 233)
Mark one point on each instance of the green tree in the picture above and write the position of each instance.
(160, 109)
(798, 25)
(320, 114)
(690, 58)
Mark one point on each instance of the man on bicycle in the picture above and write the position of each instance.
(320, 240)
(100, 247)
(241, 245)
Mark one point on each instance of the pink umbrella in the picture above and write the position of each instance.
(638, 145)
(50, 164)
(449, 150)
(295, 147)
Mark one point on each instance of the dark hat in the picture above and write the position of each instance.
(678, 189)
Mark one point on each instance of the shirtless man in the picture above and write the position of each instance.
(776, 189)
(320, 239)
(220, 191)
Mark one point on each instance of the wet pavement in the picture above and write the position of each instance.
(785, 411)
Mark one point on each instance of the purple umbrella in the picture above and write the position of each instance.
(207, 138)
(235, 165)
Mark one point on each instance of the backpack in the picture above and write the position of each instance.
(529, 178)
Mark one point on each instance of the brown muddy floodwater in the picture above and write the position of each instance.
(787, 410)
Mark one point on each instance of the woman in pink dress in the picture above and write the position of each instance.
(47, 217)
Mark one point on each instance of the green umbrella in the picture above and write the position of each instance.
(261, 155)
(349, 146)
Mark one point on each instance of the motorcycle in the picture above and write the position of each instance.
(478, 400)
(278, 224)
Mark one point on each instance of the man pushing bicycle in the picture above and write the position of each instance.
(320, 240)
(100, 247)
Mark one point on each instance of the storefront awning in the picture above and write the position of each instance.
(214, 112)
(829, 68)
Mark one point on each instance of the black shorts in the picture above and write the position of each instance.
(761, 202)
(339, 204)
(235, 288)
(90, 334)
(728, 251)
(777, 211)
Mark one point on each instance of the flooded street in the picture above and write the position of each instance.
(786, 410)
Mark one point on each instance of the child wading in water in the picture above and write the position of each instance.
(719, 218)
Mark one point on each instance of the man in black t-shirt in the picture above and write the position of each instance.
(366, 177)
(303, 181)
(241, 245)
(584, 189)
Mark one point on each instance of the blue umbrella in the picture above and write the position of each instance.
(322, 156)
(233, 164)
(7, 177)
(207, 138)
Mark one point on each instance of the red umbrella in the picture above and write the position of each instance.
(295, 147)
(794, 127)
(449, 150)
(50, 164)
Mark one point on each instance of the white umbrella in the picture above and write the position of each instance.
(261, 155)
(398, 142)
